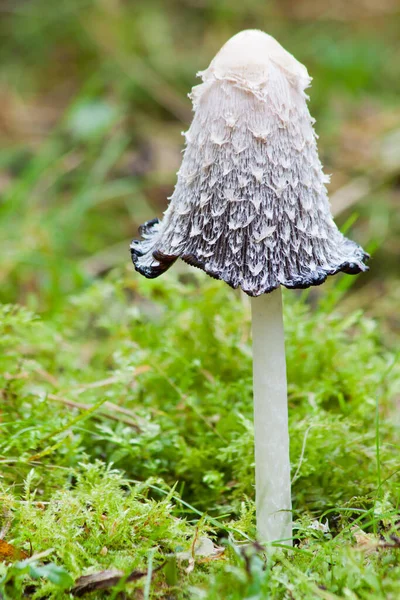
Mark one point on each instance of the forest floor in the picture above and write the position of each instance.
(126, 447)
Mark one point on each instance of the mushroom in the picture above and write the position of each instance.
(250, 207)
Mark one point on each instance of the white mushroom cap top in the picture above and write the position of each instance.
(247, 55)
(250, 205)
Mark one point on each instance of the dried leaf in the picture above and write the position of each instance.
(369, 543)
(9, 553)
(97, 581)
(104, 580)
(324, 527)
(366, 542)
(203, 550)
(205, 547)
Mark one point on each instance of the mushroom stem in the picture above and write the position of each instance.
(273, 496)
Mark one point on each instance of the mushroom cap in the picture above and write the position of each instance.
(248, 54)
(250, 205)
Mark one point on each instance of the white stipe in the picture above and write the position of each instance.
(273, 488)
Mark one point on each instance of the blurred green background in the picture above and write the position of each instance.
(93, 97)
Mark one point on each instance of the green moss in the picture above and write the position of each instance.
(97, 488)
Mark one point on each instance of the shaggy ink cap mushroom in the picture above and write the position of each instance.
(250, 205)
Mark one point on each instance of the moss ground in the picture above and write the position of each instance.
(126, 443)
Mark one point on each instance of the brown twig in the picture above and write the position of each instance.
(96, 384)
(108, 405)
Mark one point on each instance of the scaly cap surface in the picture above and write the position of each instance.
(250, 205)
